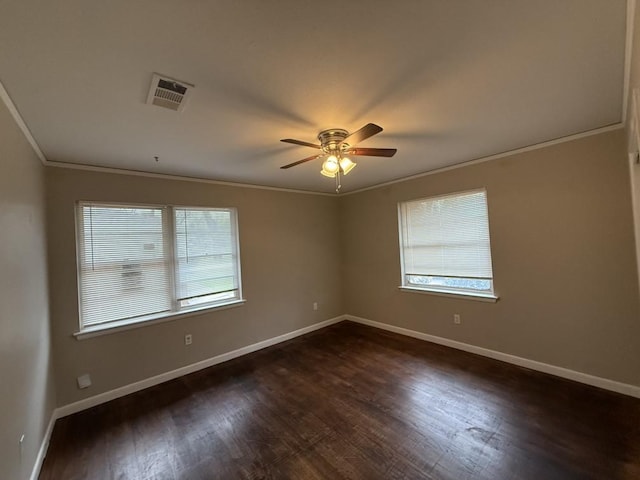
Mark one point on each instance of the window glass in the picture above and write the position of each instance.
(141, 262)
(206, 256)
(445, 243)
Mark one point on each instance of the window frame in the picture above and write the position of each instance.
(445, 291)
(171, 259)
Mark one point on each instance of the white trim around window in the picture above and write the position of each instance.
(139, 264)
(445, 246)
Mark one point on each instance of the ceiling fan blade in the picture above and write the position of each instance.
(300, 142)
(369, 130)
(312, 157)
(372, 152)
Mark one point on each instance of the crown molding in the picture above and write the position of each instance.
(508, 153)
(166, 176)
(4, 95)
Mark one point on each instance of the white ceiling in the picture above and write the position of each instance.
(449, 81)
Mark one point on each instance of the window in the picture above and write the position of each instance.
(138, 263)
(445, 244)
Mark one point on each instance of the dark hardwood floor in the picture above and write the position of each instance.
(354, 402)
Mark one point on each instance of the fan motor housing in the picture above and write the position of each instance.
(331, 140)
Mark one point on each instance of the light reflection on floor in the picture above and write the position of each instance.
(480, 423)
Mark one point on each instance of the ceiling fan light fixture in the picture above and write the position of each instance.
(330, 166)
(346, 165)
(334, 144)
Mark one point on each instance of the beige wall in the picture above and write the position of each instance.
(635, 188)
(27, 395)
(563, 257)
(288, 248)
(562, 241)
(562, 244)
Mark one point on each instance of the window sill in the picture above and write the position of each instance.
(479, 297)
(123, 325)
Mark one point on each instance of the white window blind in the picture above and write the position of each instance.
(206, 256)
(445, 242)
(142, 262)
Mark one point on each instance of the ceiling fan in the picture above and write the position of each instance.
(335, 145)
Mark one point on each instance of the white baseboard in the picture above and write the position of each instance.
(624, 388)
(44, 445)
(86, 403)
(179, 372)
(600, 382)
(149, 382)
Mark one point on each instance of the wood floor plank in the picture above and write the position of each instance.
(354, 402)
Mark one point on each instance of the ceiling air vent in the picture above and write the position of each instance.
(168, 93)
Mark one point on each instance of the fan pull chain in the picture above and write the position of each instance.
(338, 185)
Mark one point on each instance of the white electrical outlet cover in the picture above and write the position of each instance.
(84, 381)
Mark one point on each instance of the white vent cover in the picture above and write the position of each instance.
(168, 93)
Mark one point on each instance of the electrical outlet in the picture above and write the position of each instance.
(456, 319)
(84, 381)
(315, 305)
(188, 339)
